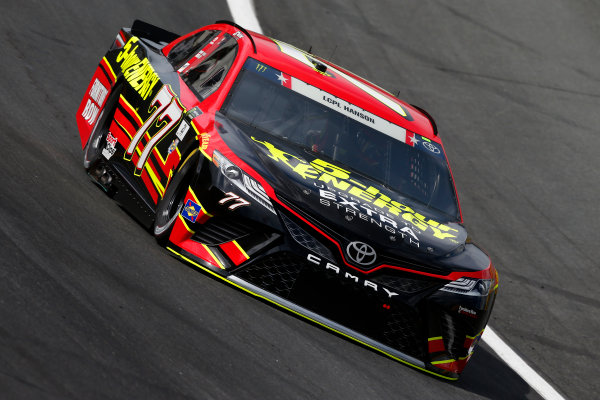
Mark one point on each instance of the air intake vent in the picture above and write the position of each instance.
(219, 230)
(305, 239)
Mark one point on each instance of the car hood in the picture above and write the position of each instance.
(352, 206)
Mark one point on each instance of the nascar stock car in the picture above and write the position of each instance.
(292, 179)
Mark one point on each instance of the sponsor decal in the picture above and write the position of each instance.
(90, 112)
(182, 130)
(431, 147)
(173, 146)
(341, 190)
(361, 253)
(424, 144)
(98, 92)
(204, 140)
(237, 35)
(237, 201)
(327, 266)
(138, 72)
(191, 211)
(352, 207)
(467, 311)
(194, 112)
(97, 95)
(111, 146)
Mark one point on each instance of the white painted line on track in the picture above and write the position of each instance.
(513, 360)
(243, 14)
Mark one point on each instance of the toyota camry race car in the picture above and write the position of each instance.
(295, 180)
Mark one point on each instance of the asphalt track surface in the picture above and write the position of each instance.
(92, 308)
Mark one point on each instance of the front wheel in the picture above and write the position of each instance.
(172, 202)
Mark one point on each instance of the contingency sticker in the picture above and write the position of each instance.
(111, 146)
(191, 211)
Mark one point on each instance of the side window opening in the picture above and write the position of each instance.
(187, 48)
(208, 75)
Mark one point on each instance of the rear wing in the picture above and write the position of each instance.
(151, 32)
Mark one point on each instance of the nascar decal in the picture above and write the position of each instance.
(138, 72)
(334, 177)
(308, 60)
(328, 100)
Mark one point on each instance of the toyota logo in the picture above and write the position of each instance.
(361, 253)
(432, 148)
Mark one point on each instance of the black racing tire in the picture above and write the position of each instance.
(172, 202)
(93, 148)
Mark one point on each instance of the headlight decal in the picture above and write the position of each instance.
(236, 176)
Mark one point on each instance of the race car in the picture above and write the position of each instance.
(295, 180)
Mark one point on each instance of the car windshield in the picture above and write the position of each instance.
(267, 99)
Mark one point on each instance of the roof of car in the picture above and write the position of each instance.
(341, 83)
(336, 80)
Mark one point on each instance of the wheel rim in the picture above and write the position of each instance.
(170, 213)
(173, 201)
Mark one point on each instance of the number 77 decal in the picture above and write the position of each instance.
(167, 112)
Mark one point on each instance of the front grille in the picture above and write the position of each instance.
(404, 284)
(383, 257)
(276, 273)
(305, 239)
(402, 331)
(340, 299)
(218, 230)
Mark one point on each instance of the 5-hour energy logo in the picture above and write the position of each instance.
(354, 208)
(334, 178)
(138, 72)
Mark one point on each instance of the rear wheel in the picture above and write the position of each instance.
(172, 202)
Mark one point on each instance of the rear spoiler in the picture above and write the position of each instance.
(151, 32)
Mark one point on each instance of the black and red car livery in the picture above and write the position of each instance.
(295, 180)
